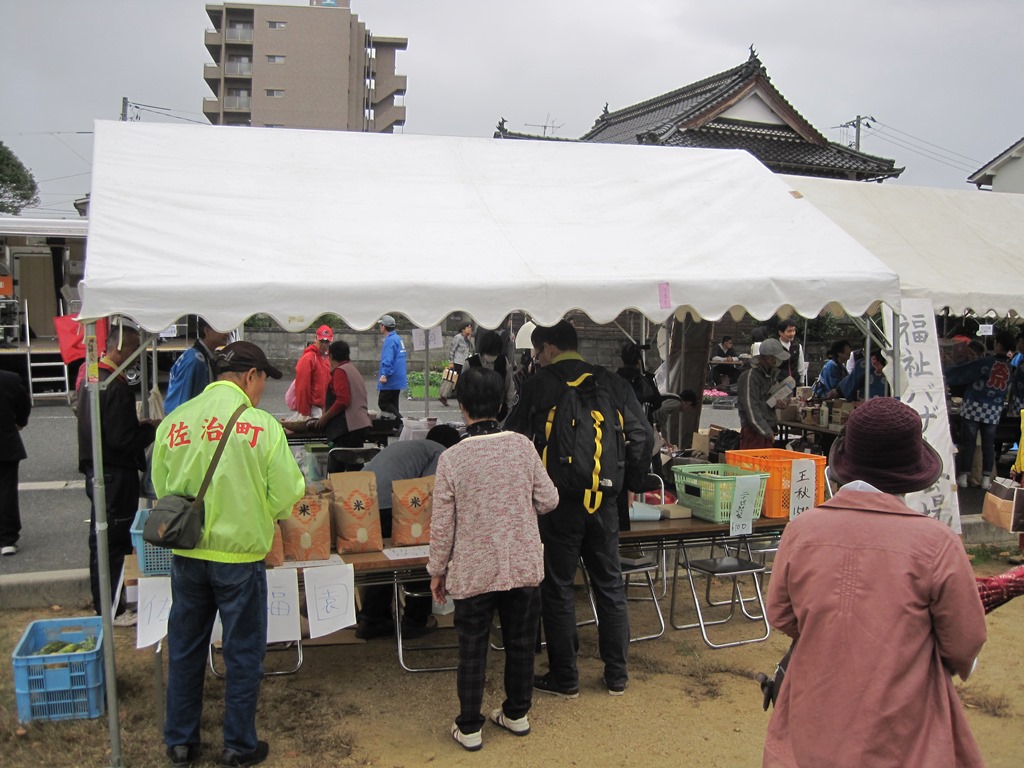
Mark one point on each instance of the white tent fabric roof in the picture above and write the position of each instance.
(227, 222)
(963, 249)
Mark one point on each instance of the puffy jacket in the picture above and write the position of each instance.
(189, 376)
(312, 375)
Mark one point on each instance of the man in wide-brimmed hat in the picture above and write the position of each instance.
(883, 605)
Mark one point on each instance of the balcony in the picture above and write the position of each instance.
(238, 35)
(243, 103)
(214, 43)
(238, 69)
(211, 108)
(212, 73)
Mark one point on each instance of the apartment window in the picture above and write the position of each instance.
(277, 24)
(275, 93)
(238, 98)
(275, 59)
(238, 65)
(239, 31)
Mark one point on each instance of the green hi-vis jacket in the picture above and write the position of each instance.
(256, 481)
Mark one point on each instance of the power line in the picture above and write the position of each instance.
(71, 176)
(139, 108)
(947, 151)
(923, 153)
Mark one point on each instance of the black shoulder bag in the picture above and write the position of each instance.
(176, 522)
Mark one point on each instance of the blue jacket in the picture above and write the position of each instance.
(392, 363)
(189, 376)
(852, 387)
(831, 374)
(987, 380)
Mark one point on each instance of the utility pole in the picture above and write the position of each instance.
(855, 124)
(124, 109)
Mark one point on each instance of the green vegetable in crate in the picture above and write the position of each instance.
(70, 648)
(89, 644)
(49, 648)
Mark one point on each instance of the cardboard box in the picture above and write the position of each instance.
(789, 413)
(674, 511)
(701, 442)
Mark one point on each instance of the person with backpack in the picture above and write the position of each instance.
(594, 439)
(640, 379)
(492, 357)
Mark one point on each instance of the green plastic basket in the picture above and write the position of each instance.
(707, 489)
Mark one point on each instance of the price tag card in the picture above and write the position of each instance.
(803, 487)
(744, 497)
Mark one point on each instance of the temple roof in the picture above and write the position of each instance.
(735, 109)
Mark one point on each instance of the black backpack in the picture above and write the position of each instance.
(584, 446)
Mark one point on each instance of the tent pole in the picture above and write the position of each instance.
(99, 502)
(867, 367)
(896, 385)
(426, 373)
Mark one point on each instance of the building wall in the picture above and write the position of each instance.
(322, 81)
(1010, 177)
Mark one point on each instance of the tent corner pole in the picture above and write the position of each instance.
(99, 503)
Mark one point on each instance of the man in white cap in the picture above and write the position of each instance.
(391, 378)
(757, 418)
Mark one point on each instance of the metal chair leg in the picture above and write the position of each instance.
(403, 648)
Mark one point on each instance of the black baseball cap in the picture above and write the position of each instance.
(243, 355)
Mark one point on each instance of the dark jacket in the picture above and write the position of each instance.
(15, 405)
(124, 438)
(540, 393)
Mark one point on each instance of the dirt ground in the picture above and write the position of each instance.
(351, 705)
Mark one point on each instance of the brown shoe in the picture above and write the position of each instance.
(444, 401)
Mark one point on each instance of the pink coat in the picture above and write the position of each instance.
(884, 604)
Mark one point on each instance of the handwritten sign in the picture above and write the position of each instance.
(803, 487)
(330, 598)
(407, 553)
(924, 391)
(744, 497)
(427, 338)
(154, 608)
(283, 605)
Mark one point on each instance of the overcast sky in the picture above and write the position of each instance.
(939, 76)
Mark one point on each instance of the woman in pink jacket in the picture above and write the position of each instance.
(883, 606)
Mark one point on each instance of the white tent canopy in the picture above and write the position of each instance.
(963, 249)
(226, 223)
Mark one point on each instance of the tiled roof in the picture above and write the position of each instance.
(689, 117)
(783, 150)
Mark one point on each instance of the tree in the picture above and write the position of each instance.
(18, 188)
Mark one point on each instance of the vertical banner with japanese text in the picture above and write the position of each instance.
(923, 389)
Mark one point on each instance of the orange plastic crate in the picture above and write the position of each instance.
(778, 463)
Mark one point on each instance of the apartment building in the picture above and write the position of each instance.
(289, 66)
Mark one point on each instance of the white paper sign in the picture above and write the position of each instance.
(407, 553)
(924, 390)
(330, 598)
(744, 497)
(803, 487)
(283, 605)
(431, 337)
(154, 608)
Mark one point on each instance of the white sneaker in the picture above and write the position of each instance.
(469, 741)
(10, 549)
(519, 727)
(961, 480)
(986, 483)
(126, 619)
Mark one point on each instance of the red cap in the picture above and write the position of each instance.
(324, 333)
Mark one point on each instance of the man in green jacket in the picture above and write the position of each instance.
(256, 481)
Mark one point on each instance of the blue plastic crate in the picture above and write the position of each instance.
(153, 561)
(59, 686)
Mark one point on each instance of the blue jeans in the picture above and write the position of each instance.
(988, 445)
(569, 533)
(198, 589)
